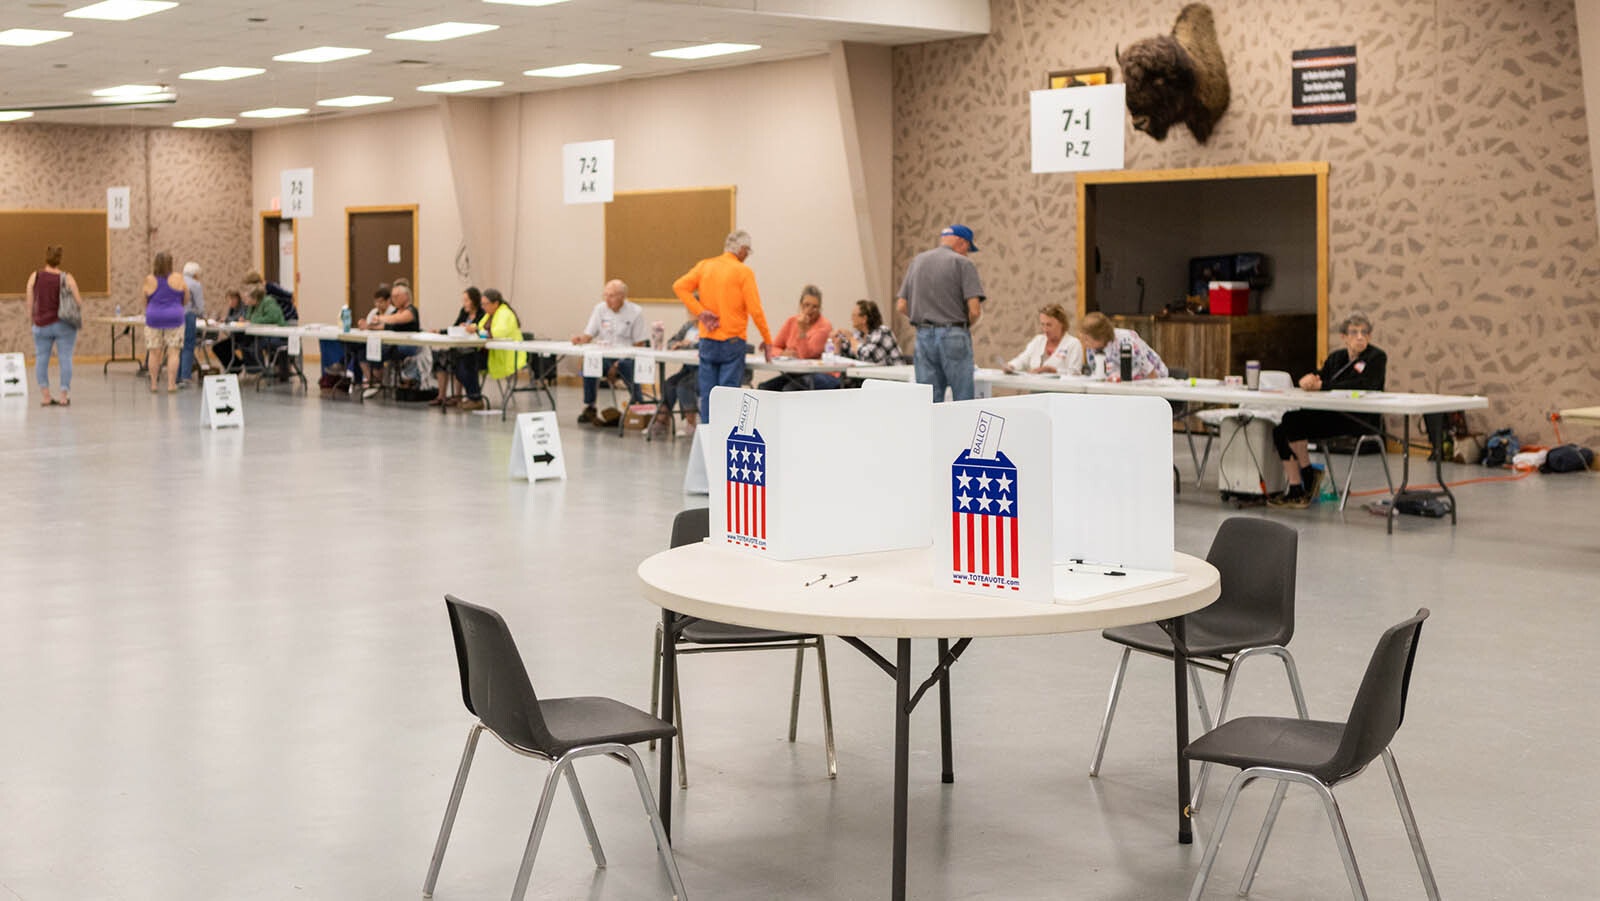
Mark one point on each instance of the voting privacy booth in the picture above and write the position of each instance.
(1050, 498)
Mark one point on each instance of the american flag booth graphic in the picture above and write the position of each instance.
(983, 522)
(745, 493)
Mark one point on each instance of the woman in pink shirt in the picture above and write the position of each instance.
(803, 337)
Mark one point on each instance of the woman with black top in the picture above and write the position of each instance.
(1359, 366)
(444, 362)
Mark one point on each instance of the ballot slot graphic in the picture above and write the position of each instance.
(745, 490)
(984, 514)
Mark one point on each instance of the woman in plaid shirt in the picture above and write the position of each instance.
(870, 341)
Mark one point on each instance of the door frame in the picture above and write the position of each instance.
(278, 215)
(416, 256)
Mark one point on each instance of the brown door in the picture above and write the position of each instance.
(382, 248)
(278, 250)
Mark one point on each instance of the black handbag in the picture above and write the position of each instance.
(68, 310)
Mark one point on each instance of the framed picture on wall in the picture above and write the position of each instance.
(1077, 78)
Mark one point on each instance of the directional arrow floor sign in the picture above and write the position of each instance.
(536, 448)
(221, 404)
(13, 376)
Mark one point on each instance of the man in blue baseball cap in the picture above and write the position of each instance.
(943, 297)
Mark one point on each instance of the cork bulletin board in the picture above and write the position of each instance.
(85, 247)
(653, 237)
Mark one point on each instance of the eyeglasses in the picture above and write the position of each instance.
(1359, 332)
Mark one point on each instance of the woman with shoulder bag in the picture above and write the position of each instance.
(55, 326)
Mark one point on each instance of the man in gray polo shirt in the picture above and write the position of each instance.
(942, 296)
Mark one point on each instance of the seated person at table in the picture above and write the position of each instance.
(444, 360)
(264, 310)
(868, 340)
(499, 323)
(682, 387)
(1053, 350)
(1102, 342)
(404, 318)
(1358, 366)
(803, 337)
(236, 311)
(615, 322)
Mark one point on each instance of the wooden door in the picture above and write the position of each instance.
(382, 248)
(279, 250)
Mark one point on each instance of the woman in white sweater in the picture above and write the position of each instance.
(1053, 350)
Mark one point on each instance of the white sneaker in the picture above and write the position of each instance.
(370, 393)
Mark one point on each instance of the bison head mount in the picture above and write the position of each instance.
(1178, 77)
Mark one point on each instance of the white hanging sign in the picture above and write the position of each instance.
(374, 349)
(586, 171)
(594, 365)
(13, 376)
(1079, 129)
(221, 404)
(294, 344)
(118, 204)
(297, 190)
(536, 448)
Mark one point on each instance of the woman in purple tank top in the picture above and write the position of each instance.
(164, 294)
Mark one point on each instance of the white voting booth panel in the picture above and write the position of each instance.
(1113, 477)
(13, 375)
(788, 471)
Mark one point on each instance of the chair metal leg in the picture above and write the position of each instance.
(1261, 840)
(583, 816)
(655, 679)
(1410, 820)
(542, 816)
(450, 810)
(1290, 670)
(663, 844)
(1111, 711)
(794, 697)
(1200, 699)
(1239, 782)
(1278, 651)
(1342, 837)
(827, 707)
(677, 709)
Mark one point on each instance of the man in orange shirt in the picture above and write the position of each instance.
(721, 291)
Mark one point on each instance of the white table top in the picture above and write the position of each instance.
(894, 596)
(118, 320)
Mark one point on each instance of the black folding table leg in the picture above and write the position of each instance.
(1405, 471)
(902, 759)
(1180, 696)
(669, 684)
(948, 774)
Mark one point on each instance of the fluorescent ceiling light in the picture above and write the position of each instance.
(320, 55)
(30, 37)
(444, 31)
(457, 87)
(572, 70)
(120, 10)
(221, 73)
(701, 51)
(202, 122)
(273, 112)
(131, 90)
(526, 2)
(12, 115)
(355, 100)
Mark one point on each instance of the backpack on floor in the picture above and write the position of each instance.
(1567, 458)
(1500, 447)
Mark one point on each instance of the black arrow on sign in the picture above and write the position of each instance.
(13, 380)
(224, 411)
(545, 457)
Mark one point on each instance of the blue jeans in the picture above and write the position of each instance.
(62, 337)
(721, 363)
(944, 359)
(186, 360)
(591, 385)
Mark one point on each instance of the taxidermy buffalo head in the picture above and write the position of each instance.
(1176, 78)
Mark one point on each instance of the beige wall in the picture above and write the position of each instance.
(1462, 203)
(190, 195)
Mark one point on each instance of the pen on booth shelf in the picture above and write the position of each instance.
(845, 582)
(816, 580)
(1080, 568)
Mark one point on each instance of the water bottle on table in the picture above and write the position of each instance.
(1125, 356)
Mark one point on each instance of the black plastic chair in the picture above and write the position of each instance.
(495, 688)
(1253, 616)
(704, 636)
(1321, 755)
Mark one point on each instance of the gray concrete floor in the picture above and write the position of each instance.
(226, 672)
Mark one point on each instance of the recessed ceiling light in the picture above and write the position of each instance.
(273, 112)
(355, 100)
(131, 90)
(572, 70)
(320, 55)
(701, 51)
(202, 122)
(30, 37)
(221, 73)
(120, 10)
(444, 31)
(457, 87)
(527, 2)
(12, 115)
